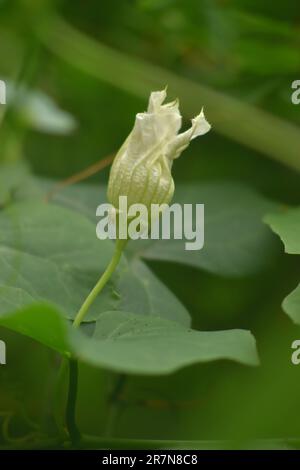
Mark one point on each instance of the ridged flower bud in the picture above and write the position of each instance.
(141, 170)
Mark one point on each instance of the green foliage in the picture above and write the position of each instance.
(126, 342)
(291, 305)
(52, 254)
(12, 177)
(287, 225)
(98, 63)
(234, 231)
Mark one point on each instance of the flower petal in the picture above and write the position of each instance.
(199, 126)
(156, 100)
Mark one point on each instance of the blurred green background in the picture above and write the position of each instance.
(97, 62)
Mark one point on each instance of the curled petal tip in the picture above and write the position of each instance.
(156, 100)
(200, 125)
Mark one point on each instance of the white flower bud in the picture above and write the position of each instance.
(142, 168)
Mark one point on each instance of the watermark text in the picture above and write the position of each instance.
(2, 92)
(161, 222)
(295, 97)
(2, 353)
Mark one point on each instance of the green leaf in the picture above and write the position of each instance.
(49, 253)
(142, 292)
(291, 305)
(42, 323)
(286, 224)
(234, 231)
(131, 343)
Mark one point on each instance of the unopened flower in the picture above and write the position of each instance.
(141, 170)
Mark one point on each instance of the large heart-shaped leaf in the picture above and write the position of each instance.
(131, 343)
(49, 253)
(142, 292)
(234, 231)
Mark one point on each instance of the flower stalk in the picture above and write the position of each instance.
(120, 245)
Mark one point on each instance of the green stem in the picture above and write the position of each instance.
(73, 364)
(120, 244)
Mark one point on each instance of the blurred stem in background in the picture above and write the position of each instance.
(246, 124)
